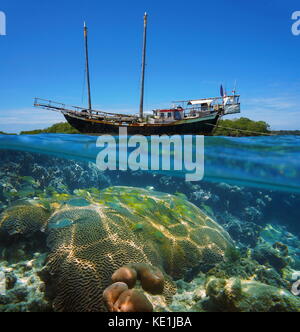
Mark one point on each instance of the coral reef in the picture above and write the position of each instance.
(266, 254)
(95, 234)
(24, 218)
(248, 269)
(118, 298)
(151, 278)
(124, 226)
(23, 173)
(239, 283)
(27, 175)
(129, 226)
(216, 294)
(21, 289)
(245, 234)
(226, 202)
(236, 295)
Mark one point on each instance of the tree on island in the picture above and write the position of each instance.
(242, 127)
(58, 128)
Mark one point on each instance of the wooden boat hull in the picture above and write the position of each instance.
(199, 126)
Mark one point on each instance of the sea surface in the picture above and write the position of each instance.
(251, 188)
(263, 162)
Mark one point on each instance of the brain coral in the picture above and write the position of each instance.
(24, 218)
(122, 226)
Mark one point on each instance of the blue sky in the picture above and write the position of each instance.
(193, 46)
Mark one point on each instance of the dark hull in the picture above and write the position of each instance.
(198, 127)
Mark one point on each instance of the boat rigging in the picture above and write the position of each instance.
(187, 117)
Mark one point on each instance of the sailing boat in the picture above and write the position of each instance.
(187, 117)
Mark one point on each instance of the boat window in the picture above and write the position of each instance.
(177, 115)
(204, 107)
(169, 115)
(162, 115)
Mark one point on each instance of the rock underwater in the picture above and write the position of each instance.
(93, 235)
(235, 295)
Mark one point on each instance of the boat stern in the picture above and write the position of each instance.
(232, 109)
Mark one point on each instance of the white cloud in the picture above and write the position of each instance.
(16, 120)
(281, 112)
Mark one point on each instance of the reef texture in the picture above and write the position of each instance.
(211, 294)
(24, 218)
(21, 288)
(235, 295)
(27, 175)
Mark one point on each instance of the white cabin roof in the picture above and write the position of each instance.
(201, 101)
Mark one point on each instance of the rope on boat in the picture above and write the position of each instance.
(242, 130)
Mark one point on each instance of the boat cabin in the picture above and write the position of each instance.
(166, 115)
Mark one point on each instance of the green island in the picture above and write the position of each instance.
(240, 127)
(58, 128)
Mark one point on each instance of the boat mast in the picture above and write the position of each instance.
(87, 68)
(143, 68)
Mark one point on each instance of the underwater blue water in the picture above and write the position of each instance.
(261, 162)
(251, 188)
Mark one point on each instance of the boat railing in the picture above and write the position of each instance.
(80, 111)
(216, 100)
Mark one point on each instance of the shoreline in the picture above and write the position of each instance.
(240, 127)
